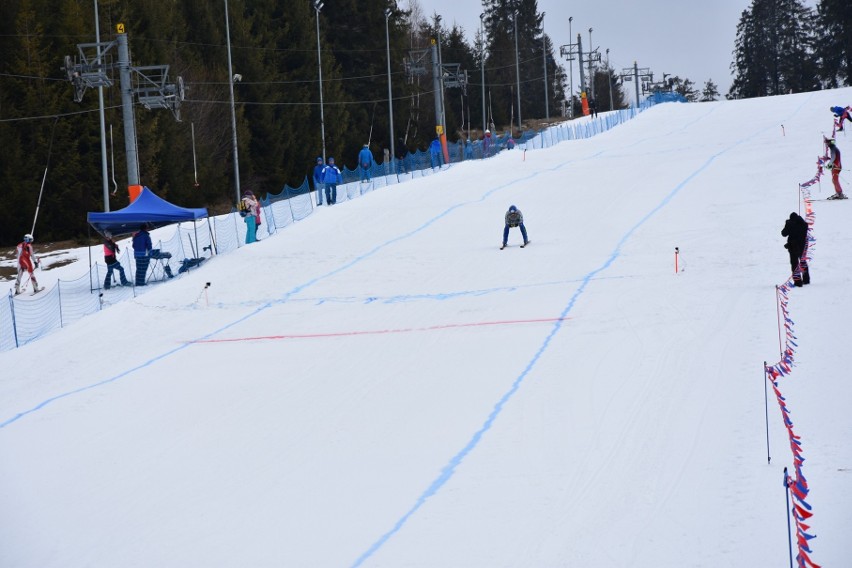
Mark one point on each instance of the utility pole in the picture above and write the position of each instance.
(127, 110)
(544, 58)
(568, 51)
(517, 70)
(580, 65)
(609, 79)
(482, 67)
(591, 73)
(388, 13)
(318, 4)
(101, 114)
(441, 67)
(231, 79)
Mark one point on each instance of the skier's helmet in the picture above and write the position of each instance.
(107, 234)
(28, 238)
(829, 140)
(512, 208)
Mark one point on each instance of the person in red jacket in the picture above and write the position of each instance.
(833, 163)
(27, 262)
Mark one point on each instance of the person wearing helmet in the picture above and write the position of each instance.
(841, 114)
(27, 262)
(365, 161)
(331, 176)
(111, 251)
(318, 168)
(514, 218)
(486, 144)
(832, 162)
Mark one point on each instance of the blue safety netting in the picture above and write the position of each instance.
(26, 318)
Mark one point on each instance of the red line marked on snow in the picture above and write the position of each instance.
(377, 331)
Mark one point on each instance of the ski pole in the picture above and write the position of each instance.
(787, 498)
(766, 411)
(778, 317)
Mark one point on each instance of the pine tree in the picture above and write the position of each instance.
(774, 49)
(710, 92)
(835, 41)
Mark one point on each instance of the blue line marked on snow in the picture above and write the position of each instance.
(455, 461)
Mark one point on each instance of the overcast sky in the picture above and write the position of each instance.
(693, 40)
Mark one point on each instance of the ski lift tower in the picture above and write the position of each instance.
(636, 74)
(93, 67)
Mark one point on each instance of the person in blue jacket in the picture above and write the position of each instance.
(331, 176)
(318, 179)
(142, 252)
(365, 162)
(435, 153)
(468, 150)
(842, 114)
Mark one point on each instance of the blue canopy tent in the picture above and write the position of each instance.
(147, 209)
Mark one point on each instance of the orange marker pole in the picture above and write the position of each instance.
(676, 253)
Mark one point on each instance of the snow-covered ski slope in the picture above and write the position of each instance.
(380, 386)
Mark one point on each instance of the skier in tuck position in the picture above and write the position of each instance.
(833, 163)
(27, 262)
(514, 218)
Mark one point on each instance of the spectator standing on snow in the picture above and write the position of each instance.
(27, 262)
(365, 163)
(251, 210)
(331, 176)
(486, 144)
(796, 231)
(435, 153)
(318, 168)
(833, 163)
(841, 114)
(111, 251)
(142, 253)
(514, 218)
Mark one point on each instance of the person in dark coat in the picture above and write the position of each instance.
(796, 231)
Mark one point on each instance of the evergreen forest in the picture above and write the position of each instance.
(52, 145)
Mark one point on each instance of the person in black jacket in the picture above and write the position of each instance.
(796, 231)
